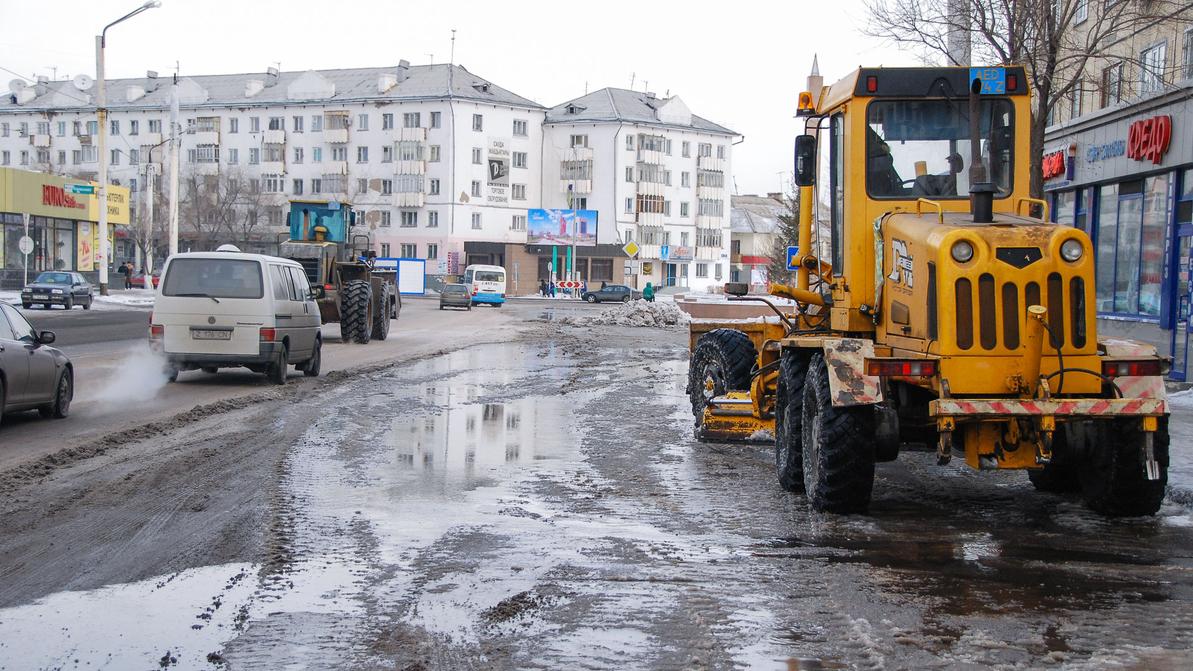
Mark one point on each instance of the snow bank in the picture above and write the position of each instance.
(633, 313)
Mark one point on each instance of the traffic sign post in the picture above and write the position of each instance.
(631, 249)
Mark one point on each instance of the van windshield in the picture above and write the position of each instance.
(215, 278)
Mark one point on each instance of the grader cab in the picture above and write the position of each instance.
(940, 310)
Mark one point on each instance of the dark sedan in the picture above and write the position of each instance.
(455, 296)
(57, 287)
(611, 292)
(33, 375)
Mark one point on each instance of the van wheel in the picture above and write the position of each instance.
(277, 368)
(838, 445)
(311, 367)
(381, 314)
(355, 323)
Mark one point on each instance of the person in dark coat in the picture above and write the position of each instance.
(543, 288)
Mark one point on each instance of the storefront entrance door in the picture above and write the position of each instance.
(1184, 315)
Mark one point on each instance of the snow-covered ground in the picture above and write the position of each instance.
(1180, 429)
(119, 299)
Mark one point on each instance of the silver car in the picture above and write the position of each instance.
(33, 375)
(455, 296)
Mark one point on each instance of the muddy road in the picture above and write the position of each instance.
(537, 501)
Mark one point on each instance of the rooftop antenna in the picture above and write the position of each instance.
(451, 71)
(586, 87)
(431, 57)
(632, 74)
(452, 58)
(53, 72)
(278, 65)
(645, 85)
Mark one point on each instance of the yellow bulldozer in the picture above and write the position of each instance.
(939, 309)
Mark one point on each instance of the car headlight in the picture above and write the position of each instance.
(1071, 250)
(55, 291)
(962, 251)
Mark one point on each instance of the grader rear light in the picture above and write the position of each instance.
(871, 84)
(901, 367)
(1140, 368)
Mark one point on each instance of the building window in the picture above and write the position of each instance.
(316, 123)
(62, 129)
(233, 156)
(134, 156)
(520, 127)
(432, 219)
(579, 141)
(476, 188)
(316, 185)
(685, 179)
(434, 187)
(362, 185)
(386, 219)
(1188, 68)
(1152, 63)
(297, 123)
(701, 270)
(1132, 218)
(387, 187)
(629, 173)
(629, 142)
(432, 251)
(518, 223)
(711, 207)
(362, 122)
(298, 155)
(683, 209)
(92, 127)
(686, 149)
(409, 250)
(387, 121)
(720, 151)
(476, 155)
(434, 154)
(478, 122)
(387, 154)
(4, 129)
(410, 151)
(254, 156)
(277, 123)
(518, 192)
(412, 120)
(629, 205)
(574, 170)
(519, 159)
(704, 149)
(113, 127)
(476, 221)
(436, 118)
(339, 153)
(297, 187)
(1112, 85)
(385, 250)
(272, 183)
(362, 154)
(1076, 100)
(5, 157)
(316, 154)
(409, 219)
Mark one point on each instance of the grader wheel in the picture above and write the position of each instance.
(722, 362)
(355, 312)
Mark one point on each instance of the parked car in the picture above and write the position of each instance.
(612, 292)
(57, 287)
(139, 280)
(227, 309)
(33, 375)
(455, 296)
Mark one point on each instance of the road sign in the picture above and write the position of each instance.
(568, 284)
(631, 249)
(792, 257)
(665, 252)
(82, 189)
(25, 245)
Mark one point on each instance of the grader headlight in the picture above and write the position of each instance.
(962, 251)
(1071, 250)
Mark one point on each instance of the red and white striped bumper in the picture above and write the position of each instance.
(1085, 407)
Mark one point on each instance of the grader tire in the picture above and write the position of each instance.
(381, 313)
(1111, 472)
(838, 447)
(722, 362)
(789, 420)
(1060, 476)
(354, 312)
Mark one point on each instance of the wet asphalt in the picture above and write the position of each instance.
(540, 503)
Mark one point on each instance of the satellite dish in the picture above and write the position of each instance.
(17, 85)
(83, 82)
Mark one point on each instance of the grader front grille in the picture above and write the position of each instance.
(995, 315)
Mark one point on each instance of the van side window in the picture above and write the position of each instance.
(301, 287)
(281, 282)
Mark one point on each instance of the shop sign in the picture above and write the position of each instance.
(1054, 164)
(682, 253)
(56, 196)
(1101, 152)
(499, 172)
(1149, 138)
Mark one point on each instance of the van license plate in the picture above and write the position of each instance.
(211, 335)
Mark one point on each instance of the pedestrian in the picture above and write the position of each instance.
(543, 288)
(602, 286)
(551, 288)
(648, 293)
(123, 270)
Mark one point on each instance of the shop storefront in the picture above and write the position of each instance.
(60, 224)
(1126, 178)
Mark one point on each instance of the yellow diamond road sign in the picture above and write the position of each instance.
(631, 249)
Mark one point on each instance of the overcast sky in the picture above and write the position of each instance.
(740, 64)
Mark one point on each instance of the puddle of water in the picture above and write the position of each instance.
(181, 617)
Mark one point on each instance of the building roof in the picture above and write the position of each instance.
(418, 82)
(623, 105)
(755, 214)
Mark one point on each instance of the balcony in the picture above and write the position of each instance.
(410, 168)
(335, 135)
(708, 220)
(413, 135)
(710, 163)
(335, 167)
(212, 168)
(708, 253)
(649, 156)
(275, 137)
(579, 186)
(273, 167)
(649, 251)
(651, 189)
(150, 139)
(39, 140)
(650, 218)
(578, 154)
(206, 137)
(710, 192)
(410, 199)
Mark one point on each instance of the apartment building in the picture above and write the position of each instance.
(408, 146)
(755, 225)
(655, 173)
(1118, 163)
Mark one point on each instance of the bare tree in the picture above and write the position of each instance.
(221, 208)
(1055, 40)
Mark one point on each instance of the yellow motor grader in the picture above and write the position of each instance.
(941, 310)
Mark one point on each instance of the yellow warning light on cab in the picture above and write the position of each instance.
(805, 105)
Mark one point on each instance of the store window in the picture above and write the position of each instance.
(1132, 223)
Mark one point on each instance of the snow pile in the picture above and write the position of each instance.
(633, 313)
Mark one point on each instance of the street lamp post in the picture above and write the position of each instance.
(101, 114)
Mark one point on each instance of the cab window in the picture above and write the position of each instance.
(836, 154)
(922, 148)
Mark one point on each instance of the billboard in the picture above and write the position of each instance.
(499, 172)
(561, 227)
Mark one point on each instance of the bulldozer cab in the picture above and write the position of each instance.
(320, 221)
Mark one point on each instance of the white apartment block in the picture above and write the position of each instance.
(656, 174)
(409, 147)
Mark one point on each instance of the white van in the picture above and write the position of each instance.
(225, 309)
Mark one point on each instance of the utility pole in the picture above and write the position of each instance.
(148, 251)
(174, 149)
(101, 114)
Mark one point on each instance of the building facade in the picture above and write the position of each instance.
(1119, 165)
(754, 225)
(655, 173)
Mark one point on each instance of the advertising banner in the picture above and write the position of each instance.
(499, 172)
(561, 227)
(86, 249)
